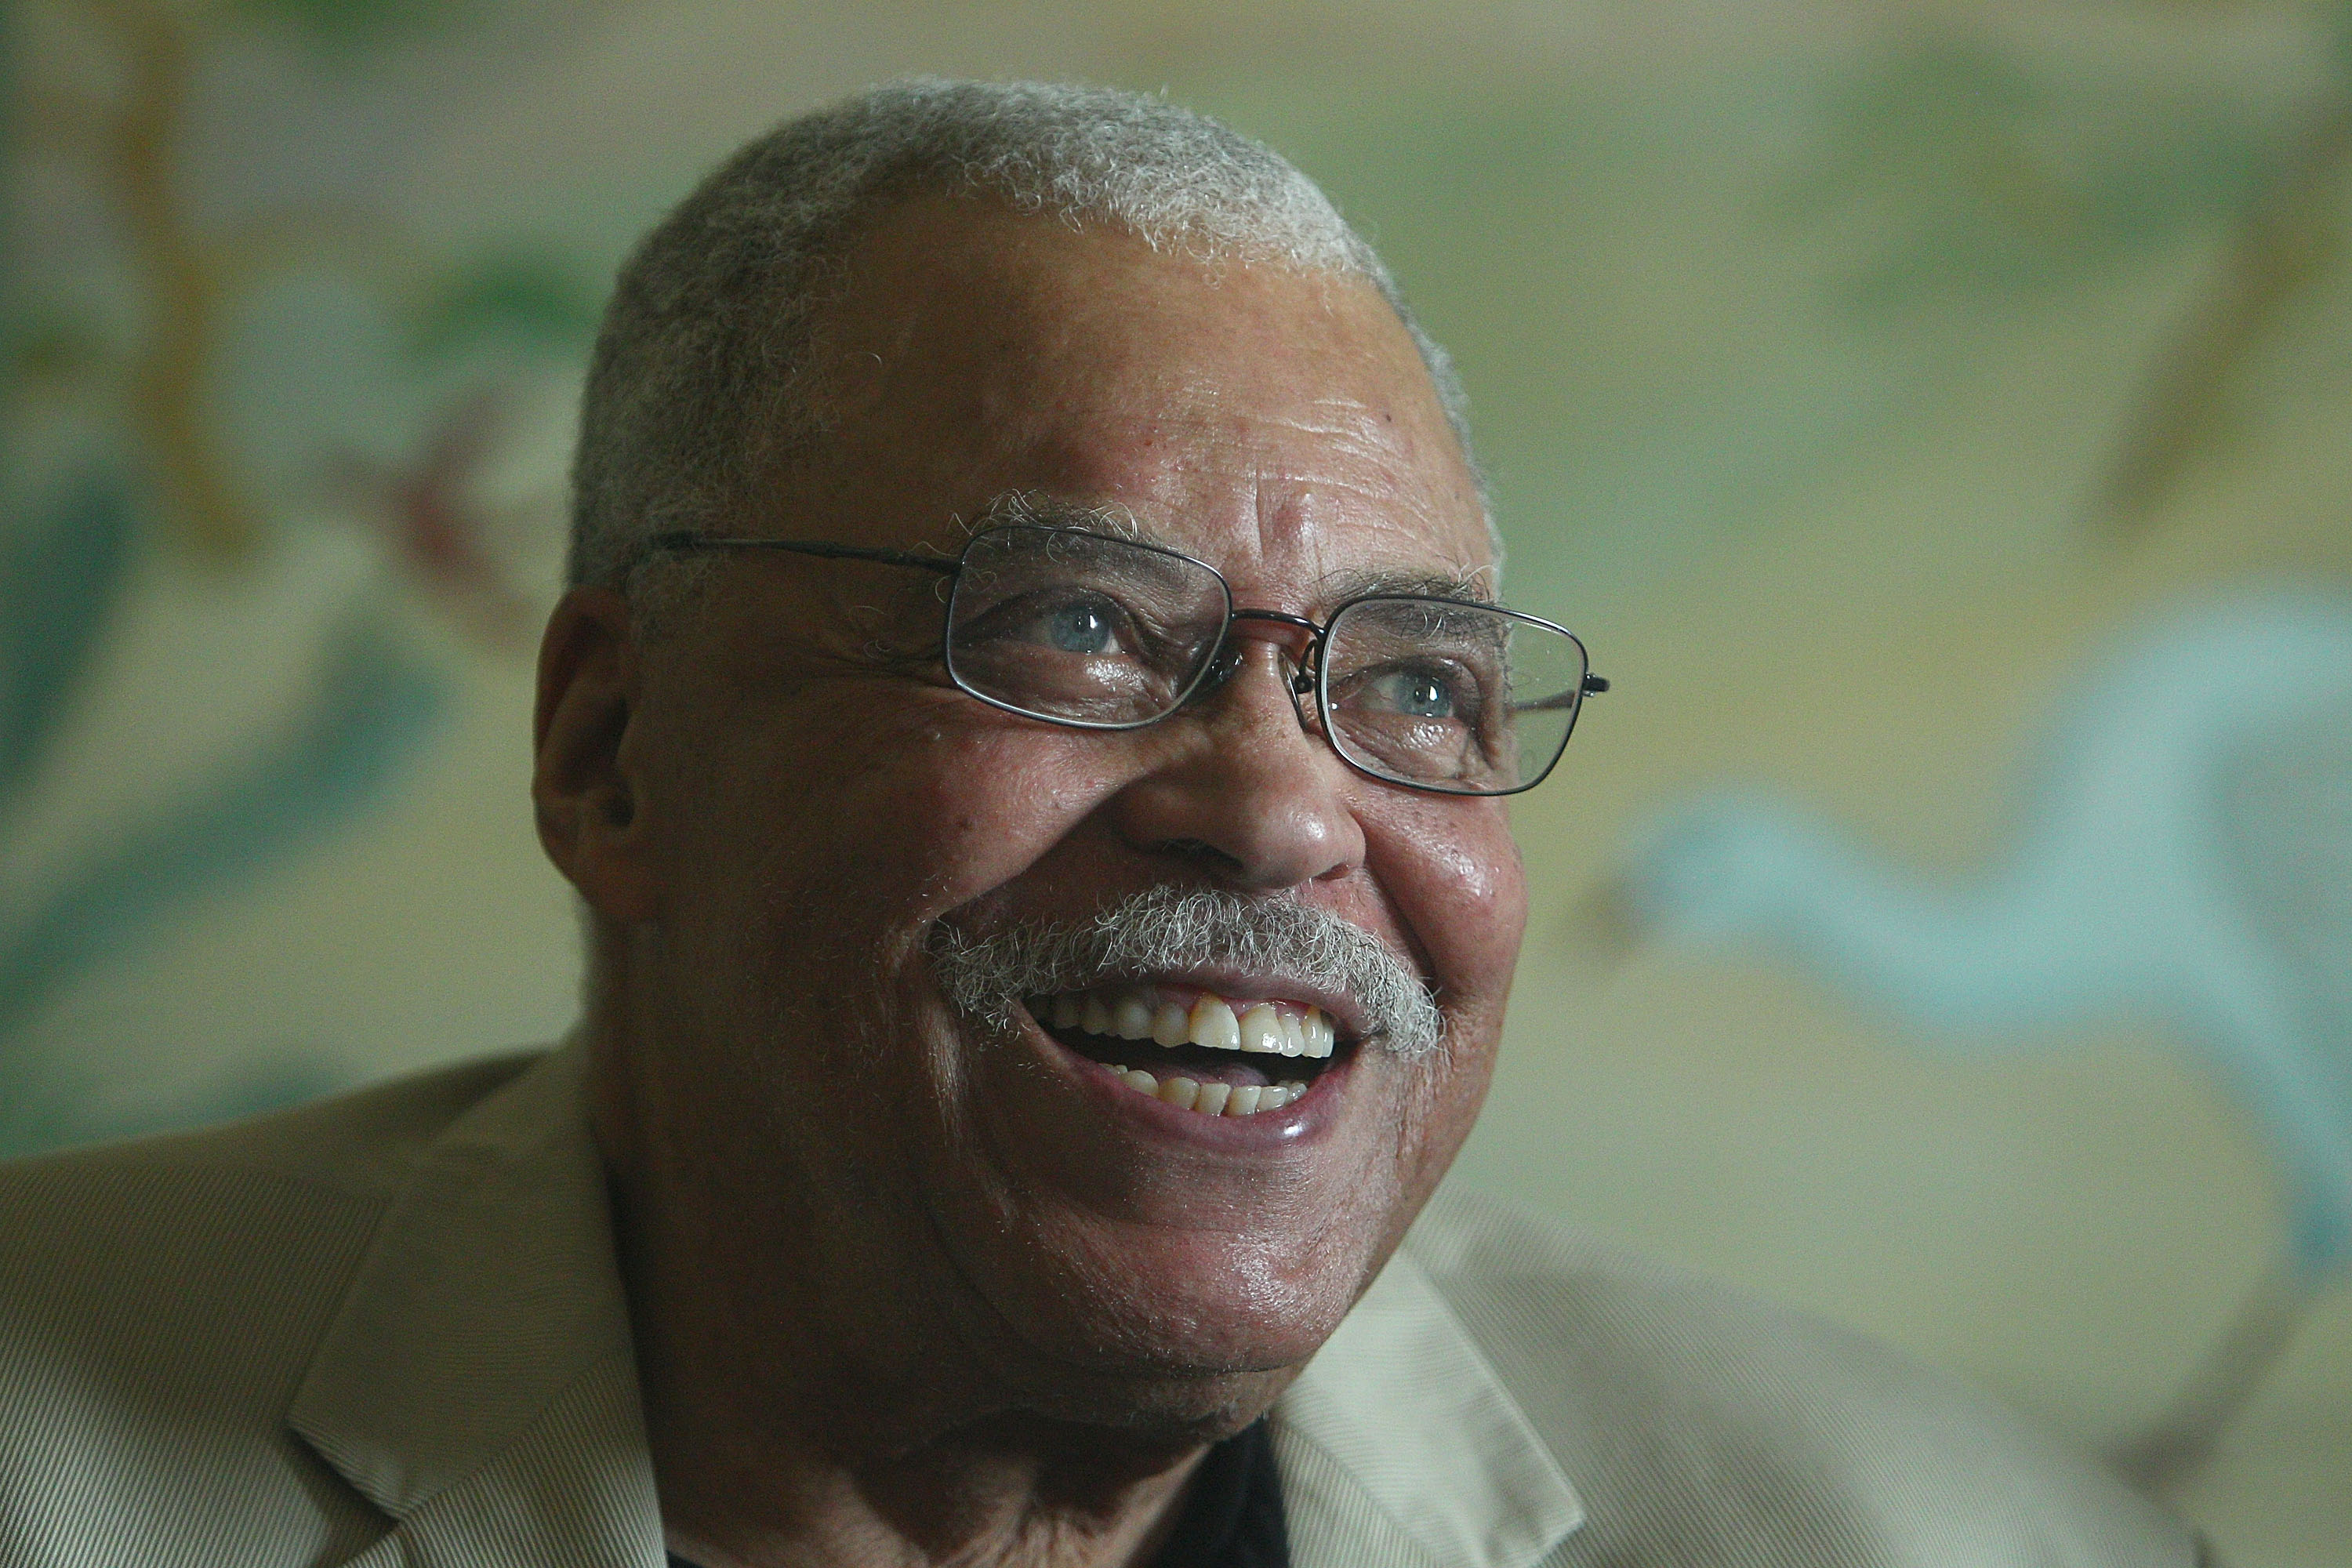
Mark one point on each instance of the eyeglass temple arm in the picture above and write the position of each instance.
(680, 542)
(1593, 686)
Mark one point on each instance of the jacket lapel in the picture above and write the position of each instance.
(478, 1384)
(1400, 1445)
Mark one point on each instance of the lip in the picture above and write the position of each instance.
(1301, 1122)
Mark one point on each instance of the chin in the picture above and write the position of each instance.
(1199, 1328)
(1175, 1415)
(1177, 1400)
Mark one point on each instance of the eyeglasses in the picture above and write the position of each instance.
(1100, 632)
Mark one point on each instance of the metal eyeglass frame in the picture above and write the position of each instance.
(1309, 678)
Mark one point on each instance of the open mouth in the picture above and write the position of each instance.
(1194, 1049)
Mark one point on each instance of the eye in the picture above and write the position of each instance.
(1081, 627)
(1074, 625)
(1414, 693)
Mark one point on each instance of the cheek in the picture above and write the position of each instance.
(916, 809)
(1452, 873)
(972, 809)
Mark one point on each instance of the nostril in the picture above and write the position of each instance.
(1203, 850)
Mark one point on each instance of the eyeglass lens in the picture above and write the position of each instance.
(1460, 697)
(1086, 629)
(1081, 628)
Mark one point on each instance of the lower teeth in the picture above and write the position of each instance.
(1211, 1098)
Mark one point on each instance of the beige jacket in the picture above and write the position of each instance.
(386, 1332)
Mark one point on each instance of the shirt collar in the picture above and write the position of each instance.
(1400, 1432)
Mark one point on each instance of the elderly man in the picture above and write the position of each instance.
(1029, 730)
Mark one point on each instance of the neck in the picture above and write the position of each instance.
(1004, 1494)
(774, 1445)
(786, 1429)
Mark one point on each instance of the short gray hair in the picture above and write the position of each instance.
(702, 378)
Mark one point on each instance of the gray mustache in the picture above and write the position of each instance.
(1165, 929)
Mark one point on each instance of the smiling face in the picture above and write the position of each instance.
(975, 1215)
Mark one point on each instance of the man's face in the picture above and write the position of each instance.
(870, 1168)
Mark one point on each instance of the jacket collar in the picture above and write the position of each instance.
(478, 1384)
(1399, 1444)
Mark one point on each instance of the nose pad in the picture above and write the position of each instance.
(1220, 670)
(1299, 681)
(1302, 694)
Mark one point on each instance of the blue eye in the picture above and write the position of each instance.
(1415, 693)
(1079, 628)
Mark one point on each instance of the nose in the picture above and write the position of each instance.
(1247, 790)
(1294, 637)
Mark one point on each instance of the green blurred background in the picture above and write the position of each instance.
(1857, 379)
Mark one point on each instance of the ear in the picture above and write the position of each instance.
(581, 789)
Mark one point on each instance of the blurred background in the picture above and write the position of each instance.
(1934, 415)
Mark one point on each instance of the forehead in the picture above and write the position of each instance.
(1279, 425)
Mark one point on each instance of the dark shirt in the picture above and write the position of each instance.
(1233, 1510)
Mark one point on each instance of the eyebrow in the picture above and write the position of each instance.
(1462, 586)
(1053, 511)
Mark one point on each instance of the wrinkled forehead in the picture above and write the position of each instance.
(1278, 425)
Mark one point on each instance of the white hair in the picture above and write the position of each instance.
(1164, 930)
(700, 380)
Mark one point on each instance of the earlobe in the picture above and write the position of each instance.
(582, 795)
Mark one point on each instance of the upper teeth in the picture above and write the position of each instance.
(1136, 1013)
